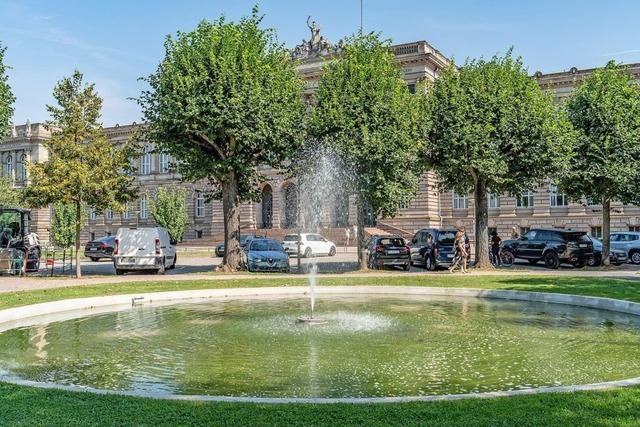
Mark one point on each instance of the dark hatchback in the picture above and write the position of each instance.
(433, 248)
(245, 239)
(552, 246)
(100, 248)
(388, 251)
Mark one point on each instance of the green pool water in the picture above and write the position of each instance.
(370, 347)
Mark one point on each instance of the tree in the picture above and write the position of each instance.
(6, 96)
(492, 130)
(84, 168)
(169, 210)
(63, 225)
(605, 110)
(366, 114)
(225, 100)
(9, 195)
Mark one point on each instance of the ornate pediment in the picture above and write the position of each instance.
(317, 45)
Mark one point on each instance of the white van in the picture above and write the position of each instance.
(143, 248)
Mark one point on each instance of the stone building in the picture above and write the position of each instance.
(277, 211)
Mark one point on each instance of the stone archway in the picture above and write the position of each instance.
(267, 207)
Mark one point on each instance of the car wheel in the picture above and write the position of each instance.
(551, 260)
(579, 264)
(119, 272)
(370, 264)
(307, 253)
(594, 261)
(635, 257)
(332, 251)
(95, 259)
(507, 258)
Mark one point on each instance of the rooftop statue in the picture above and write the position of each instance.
(317, 44)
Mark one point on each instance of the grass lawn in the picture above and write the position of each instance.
(30, 406)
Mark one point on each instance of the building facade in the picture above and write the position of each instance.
(277, 210)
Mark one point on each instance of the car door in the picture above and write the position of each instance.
(324, 246)
(416, 244)
(315, 244)
(526, 245)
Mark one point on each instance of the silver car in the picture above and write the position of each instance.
(628, 241)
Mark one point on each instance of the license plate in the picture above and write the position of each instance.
(582, 245)
(449, 255)
(129, 260)
(93, 249)
(393, 252)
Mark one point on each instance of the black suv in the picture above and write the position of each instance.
(553, 246)
(433, 248)
(388, 251)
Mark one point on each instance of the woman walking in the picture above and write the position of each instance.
(460, 257)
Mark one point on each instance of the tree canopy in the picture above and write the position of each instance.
(169, 210)
(6, 96)
(366, 114)
(84, 168)
(225, 100)
(605, 111)
(9, 195)
(492, 129)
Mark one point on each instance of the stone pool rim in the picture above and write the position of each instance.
(26, 315)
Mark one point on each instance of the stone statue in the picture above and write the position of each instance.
(14, 133)
(315, 33)
(27, 129)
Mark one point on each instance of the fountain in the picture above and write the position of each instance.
(311, 320)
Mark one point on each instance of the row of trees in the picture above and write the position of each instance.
(227, 99)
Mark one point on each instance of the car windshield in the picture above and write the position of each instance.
(266, 245)
(392, 241)
(576, 237)
(447, 237)
(245, 238)
(10, 222)
(106, 239)
(290, 238)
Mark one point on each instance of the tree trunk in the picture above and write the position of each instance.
(482, 225)
(78, 227)
(362, 255)
(231, 211)
(606, 230)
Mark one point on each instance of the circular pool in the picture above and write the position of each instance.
(371, 346)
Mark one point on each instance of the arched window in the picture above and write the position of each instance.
(8, 167)
(267, 207)
(290, 206)
(22, 168)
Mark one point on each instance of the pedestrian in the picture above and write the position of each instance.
(347, 237)
(460, 257)
(495, 248)
(515, 235)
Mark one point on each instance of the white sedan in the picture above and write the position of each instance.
(310, 244)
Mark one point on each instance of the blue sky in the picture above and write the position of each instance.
(115, 42)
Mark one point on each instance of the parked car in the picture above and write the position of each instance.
(100, 248)
(616, 256)
(628, 241)
(244, 240)
(143, 248)
(433, 248)
(388, 251)
(553, 246)
(267, 255)
(310, 244)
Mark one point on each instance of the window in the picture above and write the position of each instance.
(528, 235)
(126, 214)
(493, 201)
(525, 200)
(412, 87)
(144, 212)
(164, 163)
(524, 230)
(199, 205)
(596, 232)
(634, 228)
(460, 202)
(22, 168)
(92, 214)
(198, 234)
(92, 236)
(108, 214)
(555, 198)
(145, 162)
(8, 167)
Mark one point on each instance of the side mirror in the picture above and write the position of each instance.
(414, 240)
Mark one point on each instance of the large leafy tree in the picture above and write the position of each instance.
(6, 96)
(605, 110)
(492, 130)
(169, 210)
(225, 100)
(366, 114)
(84, 168)
(9, 195)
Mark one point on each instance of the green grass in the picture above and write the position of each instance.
(31, 406)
